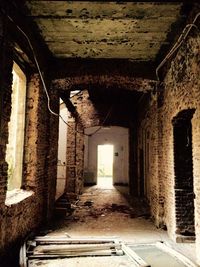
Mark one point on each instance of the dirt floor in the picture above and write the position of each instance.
(106, 212)
(103, 212)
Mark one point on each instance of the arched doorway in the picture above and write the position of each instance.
(183, 168)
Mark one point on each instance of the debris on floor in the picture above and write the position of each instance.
(91, 206)
(108, 212)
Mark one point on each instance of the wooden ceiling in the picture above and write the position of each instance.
(108, 30)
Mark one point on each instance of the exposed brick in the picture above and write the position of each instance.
(40, 155)
(180, 93)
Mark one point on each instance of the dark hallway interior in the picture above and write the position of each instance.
(76, 75)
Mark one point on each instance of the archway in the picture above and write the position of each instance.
(183, 168)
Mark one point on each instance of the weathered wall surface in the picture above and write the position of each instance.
(40, 156)
(180, 91)
(85, 116)
(147, 157)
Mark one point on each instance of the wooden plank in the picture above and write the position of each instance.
(78, 254)
(62, 248)
(98, 43)
(101, 50)
(98, 9)
(105, 25)
(134, 256)
(53, 239)
(115, 36)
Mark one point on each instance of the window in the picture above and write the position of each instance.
(14, 151)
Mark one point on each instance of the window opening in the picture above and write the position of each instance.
(15, 146)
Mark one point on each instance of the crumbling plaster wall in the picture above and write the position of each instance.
(179, 91)
(40, 155)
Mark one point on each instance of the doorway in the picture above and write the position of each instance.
(183, 167)
(113, 135)
(105, 165)
(62, 152)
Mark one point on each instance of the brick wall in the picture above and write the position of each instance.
(40, 156)
(92, 111)
(149, 129)
(85, 116)
(180, 91)
(5, 94)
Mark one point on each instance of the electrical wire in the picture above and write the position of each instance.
(45, 88)
(179, 42)
(100, 127)
(38, 67)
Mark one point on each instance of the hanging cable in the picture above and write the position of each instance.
(179, 42)
(100, 127)
(97, 130)
(38, 67)
(45, 88)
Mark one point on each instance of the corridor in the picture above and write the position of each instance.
(108, 211)
(104, 211)
(77, 77)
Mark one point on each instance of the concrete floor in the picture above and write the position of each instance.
(105, 211)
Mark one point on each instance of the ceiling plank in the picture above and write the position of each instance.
(93, 25)
(101, 9)
(123, 38)
(95, 29)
